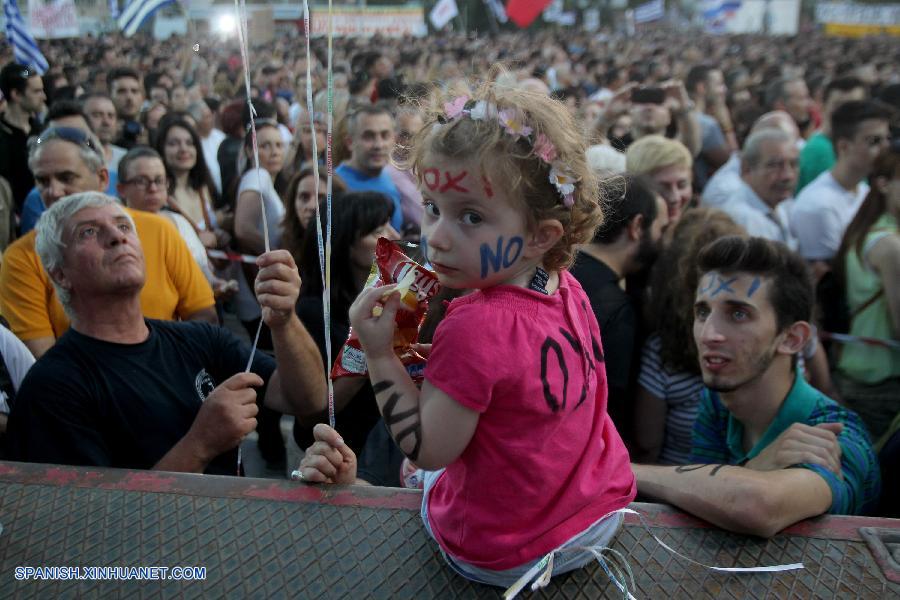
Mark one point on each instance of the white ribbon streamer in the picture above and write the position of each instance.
(241, 10)
(545, 565)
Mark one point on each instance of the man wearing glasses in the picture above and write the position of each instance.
(761, 205)
(66, 161)
(24, 92)
(824, 208)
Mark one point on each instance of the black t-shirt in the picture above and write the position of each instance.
(90, 402)
(618, 328)
(14, 161)
(359, 416)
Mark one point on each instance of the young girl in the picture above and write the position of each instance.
(510, 423)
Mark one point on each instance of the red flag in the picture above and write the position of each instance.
(524, 12)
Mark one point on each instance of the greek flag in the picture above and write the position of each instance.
(650, 11)
(25, 48)
(137, 12)
(717, 13)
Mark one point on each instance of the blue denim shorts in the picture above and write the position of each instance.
(599, 533)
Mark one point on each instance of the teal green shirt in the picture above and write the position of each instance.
(718, 438)
(816, 157)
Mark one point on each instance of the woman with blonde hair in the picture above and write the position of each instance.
(669, 164)
(669, 382)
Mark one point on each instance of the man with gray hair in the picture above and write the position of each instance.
(121, 390)
(769, 167)
(66, 161)
(726, 182)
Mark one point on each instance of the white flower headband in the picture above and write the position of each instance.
(512, 122)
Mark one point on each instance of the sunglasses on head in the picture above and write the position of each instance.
(74, 135)
(26, 72)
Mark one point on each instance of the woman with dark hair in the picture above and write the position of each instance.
(669, 383)
(867, 267)
(358, 220)
(300, 205)
(191, 189)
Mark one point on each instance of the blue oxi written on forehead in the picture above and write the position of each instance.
(715, 283)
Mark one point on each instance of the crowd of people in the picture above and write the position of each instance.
(670, 269)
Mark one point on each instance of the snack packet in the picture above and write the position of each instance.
(416, 285)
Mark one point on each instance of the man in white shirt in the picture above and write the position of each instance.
(761, 204)
(726, 182)
(824, 208)
(210, 139)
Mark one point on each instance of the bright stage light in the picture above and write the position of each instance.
(225, 24)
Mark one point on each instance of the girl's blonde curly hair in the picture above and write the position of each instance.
(510, 163)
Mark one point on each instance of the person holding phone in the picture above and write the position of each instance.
(665, 109)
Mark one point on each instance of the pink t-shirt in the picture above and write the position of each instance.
(545, 461)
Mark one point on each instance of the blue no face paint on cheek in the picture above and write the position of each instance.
(505, 255)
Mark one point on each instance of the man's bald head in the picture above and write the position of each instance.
(777, 119)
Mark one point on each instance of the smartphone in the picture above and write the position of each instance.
(648, 95)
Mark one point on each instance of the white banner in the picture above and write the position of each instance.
(390, 22)
(52, 19)
(847, 13)
(778, 17)
(442, 13)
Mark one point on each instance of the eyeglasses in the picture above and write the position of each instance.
(73, 135)
(876, 140)
(780, 165)
(144, 182)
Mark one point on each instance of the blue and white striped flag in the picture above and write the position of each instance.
(25, 48)
(717, 13)
(114, 9)
(137, 12)
(650, 11)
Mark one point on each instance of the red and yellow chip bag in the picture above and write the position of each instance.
(417, 285)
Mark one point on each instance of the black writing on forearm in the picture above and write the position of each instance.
(689, 468)
(393, 419)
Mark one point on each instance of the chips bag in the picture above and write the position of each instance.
(417, 285)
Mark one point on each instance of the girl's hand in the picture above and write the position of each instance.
(376, 333)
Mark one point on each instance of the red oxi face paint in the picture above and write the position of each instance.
(452, 182)
(431, 177)
(488, 190)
